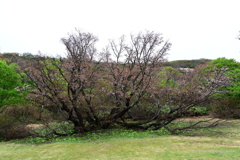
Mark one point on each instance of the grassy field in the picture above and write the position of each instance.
(222, 142)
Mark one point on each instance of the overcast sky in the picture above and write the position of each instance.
(196, 28)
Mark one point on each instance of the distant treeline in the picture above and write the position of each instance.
(175, 64)
(187, 63)
(12, 57)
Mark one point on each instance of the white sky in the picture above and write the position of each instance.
(196, 28)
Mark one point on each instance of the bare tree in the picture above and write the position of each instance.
(132, 68)
(67, 83)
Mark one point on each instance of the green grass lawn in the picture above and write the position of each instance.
(222, 142)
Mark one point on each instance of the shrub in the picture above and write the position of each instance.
(11, 129)
(226, 108)
(12, 89)
(198, 111)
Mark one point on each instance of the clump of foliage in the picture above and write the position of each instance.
(12, 88)
(227, 99)
(11, 128)
(198, 111)
(12, 93)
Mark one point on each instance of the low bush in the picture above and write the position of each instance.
(197, 111)
(10, 128)
(226, 108)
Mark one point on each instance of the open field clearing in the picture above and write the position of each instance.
(222, 142)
